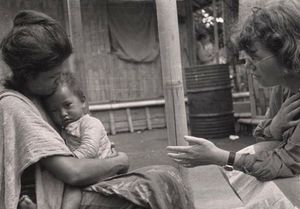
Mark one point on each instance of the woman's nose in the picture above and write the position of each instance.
(63, 113)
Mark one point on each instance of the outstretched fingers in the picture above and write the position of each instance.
(195, 140)
(179, 156)
(178, 148)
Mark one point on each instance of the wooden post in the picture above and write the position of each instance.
(148, 118)
(172, 75)
(224, 29)
(216, 33)
(112, 123)
(172, 70)
(192, 43)
(72, 11)
(230, 16)
(129, 119)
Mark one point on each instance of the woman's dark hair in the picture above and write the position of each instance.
(277, 27)
(36, 43)
(68, 79)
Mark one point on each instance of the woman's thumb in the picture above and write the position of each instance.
(194, 140)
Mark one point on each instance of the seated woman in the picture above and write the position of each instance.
(271, 39)
(33, 153)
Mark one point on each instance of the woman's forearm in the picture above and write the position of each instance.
(83, 172)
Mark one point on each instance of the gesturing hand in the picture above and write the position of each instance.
(285, 118)
(201, 152)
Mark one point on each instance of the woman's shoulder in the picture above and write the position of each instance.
(11, 97)
(15, 101)
(11, 94)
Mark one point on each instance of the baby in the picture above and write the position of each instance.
(84, 135)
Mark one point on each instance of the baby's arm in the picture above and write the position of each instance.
(92, 135)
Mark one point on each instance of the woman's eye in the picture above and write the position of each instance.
(68, 105)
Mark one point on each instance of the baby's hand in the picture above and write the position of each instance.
(113, 150)
(26, 203)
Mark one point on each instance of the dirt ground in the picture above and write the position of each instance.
(207, 185)
(148, 147)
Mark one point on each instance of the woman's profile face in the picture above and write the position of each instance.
(44, 83)
(264, 66)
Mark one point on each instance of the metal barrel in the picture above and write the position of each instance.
(210, 101)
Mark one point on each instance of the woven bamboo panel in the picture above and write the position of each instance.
(138, 119)
(109, 78)
(8, 10)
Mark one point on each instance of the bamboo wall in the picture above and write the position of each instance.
(117, 80)
(8, 9)
(109, 79)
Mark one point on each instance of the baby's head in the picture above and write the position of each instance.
(67, 103)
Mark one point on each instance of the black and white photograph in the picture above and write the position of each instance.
(149, 104)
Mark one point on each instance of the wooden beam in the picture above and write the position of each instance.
(112, 123)
(172, 75)
(73, 22)
(172, 70)
(148, 118)
(216, 33)
(192, 49)
(129, 119)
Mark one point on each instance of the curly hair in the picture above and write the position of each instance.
(36, 43)
(277, 27)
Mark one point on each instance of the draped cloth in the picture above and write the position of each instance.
(133, 31)
(158, 187)
(26, 137)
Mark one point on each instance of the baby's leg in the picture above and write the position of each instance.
(72, 198)
(26, 203)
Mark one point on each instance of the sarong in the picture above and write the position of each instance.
(159, 187)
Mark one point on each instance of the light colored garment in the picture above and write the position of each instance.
(284, 161)
(87, 138)
(277, 194)
(25, 138)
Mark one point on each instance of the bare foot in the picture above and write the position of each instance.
(26, 203)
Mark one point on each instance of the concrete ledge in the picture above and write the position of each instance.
(250, 121)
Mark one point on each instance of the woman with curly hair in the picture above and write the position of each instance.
(270, 37)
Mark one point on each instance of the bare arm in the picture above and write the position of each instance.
(83, 172)
(264, 165)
